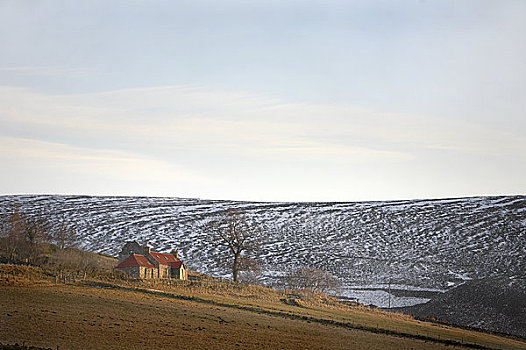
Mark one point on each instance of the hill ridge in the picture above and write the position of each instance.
(423, 243)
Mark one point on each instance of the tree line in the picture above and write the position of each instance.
(24, 236)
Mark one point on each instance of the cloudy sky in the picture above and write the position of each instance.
(263, 100)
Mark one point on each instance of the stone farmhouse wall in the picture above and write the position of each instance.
(180, 273)
(139, 272)
(160, 271)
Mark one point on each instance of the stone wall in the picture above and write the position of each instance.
(164, 271)
(180, 274)
(140, 271)
(133, 271)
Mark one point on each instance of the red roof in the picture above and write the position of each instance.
(176, 264)
(136, 260)
(165, 258)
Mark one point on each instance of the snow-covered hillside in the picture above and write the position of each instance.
(424, 244)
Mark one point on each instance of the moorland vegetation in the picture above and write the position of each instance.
(75, 299)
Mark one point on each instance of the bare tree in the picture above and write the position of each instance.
(65, 235)
(13, 232)
(36, 233)
(23, 236)
(238, 240)
(312, 279)
(249, 270)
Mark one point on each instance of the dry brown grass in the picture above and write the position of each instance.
(39, 312)
(23, 275)
(73, 317)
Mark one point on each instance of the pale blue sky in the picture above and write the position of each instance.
(263, 100)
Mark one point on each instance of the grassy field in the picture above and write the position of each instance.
(36, 310)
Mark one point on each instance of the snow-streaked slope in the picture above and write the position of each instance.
(421, 243)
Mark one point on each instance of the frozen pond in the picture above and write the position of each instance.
(380, 297)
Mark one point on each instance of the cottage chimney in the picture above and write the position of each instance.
(175, 253)
(148, 248)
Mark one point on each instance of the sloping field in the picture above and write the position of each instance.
(96, 315)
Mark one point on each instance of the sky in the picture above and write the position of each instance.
(263, 100)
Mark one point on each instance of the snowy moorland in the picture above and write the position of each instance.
(421, 246)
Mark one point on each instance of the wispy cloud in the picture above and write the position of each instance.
(197, 142)
(104, 171)
(189, 117)
(47, 71)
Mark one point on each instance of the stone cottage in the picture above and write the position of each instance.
(142, 262)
